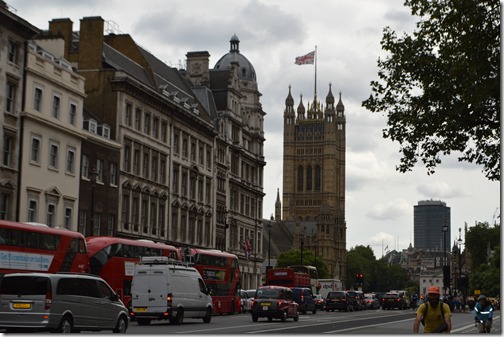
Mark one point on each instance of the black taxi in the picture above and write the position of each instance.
(274, 302)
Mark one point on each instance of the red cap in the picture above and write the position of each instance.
(433, 290)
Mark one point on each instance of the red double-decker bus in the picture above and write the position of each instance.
(113, 259)
(221, 273)
(287, 277)
(34, 247)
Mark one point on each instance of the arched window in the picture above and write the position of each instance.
(317, 178)
(309, 178)
(300, 180)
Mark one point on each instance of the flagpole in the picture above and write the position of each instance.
(315, 70)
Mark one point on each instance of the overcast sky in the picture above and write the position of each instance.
(347, 33)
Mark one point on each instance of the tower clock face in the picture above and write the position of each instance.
(196, 67)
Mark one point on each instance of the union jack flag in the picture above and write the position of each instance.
(306, 59)
(247, 247)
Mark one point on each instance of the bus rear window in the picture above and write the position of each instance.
(25, 285)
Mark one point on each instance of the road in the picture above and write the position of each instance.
(365, 322)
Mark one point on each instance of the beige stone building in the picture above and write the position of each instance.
(51, 134)
(14, 33)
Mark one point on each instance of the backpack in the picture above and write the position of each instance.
(427, 308)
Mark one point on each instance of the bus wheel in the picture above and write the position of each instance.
(232, 310)
(208, 315)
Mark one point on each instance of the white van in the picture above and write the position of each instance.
(163, 288)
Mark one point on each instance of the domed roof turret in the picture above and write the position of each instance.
(246, 70)
(289, 101)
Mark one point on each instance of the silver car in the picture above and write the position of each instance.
(62, 302)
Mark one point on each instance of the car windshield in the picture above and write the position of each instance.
(335, 295)
(268, 293)
(391, 296)
(369, 297)
(251, 293)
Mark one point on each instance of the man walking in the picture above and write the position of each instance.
(434, 314)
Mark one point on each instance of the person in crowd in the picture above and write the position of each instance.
(434, 315)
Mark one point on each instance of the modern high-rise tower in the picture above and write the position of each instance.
(429, 218)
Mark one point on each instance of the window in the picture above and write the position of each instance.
(155, 127)
(51, 213)
(72, 114)
(138, 112)
(13, 52)
(184, 147)
(8, 150)
(93, 125)
(10, 98)
(113, 174)
(70, 161)
(127, 114)
(136, 158)
(53, 155)
(110, 225)
(4, 206)
(35, 150)
(126, 162)
(37, 99)
(82, 222)
(154, 168)
(164, 128)
(176, 138)
(68, 217)
(145, 166)
(147, 124)
(162, 171)
(99, 170)
(32, 210)
(85, 166)
(56, 106)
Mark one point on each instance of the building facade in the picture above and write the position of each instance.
(313, 204)
(14, 34)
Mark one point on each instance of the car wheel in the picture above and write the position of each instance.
(327, 310)
(254, 318)
(284, 316)
(121, 326)
(296, 318)
(208, 316)
(232, 310)
(270, 319)
(66, 325)
(314, 311)
(180, 316)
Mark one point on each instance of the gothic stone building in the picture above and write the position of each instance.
(314, 179)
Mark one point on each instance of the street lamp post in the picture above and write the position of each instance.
(302, 245)
(445, 269)
(92, 178)
(459, 241)
(269, 244)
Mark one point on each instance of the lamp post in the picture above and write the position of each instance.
(445, 270)
(459, 241)
(92, 178)
(226, 226)
(269, 244)
(302, 245)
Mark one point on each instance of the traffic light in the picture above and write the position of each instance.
(361, 278)
(357, 279)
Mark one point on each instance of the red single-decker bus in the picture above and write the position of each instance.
(34, 247)
(221, 273)
(113, 259)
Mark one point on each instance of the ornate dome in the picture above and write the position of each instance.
(246, 70)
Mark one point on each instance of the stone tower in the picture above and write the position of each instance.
(314, 178)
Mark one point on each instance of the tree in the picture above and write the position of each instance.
(440, 86)
(293, 257)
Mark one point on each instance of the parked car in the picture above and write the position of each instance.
(393, 300)
(371, 301)
(358, 299)
(304, 298)
(246, 301)
(274, 302)
(339, 300)
(251, 293)
(319, 301)
(63, 302)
